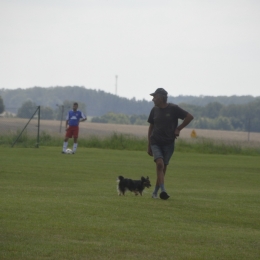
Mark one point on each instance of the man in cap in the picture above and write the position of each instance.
(162, 132)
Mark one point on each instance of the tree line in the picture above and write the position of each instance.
(99, 102)
(213, 116)
(2, 106)
(245, 117)
(225, 113)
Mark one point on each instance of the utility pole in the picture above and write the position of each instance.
(62, 111)
(61, 118)
(249, 126)
(116, 85)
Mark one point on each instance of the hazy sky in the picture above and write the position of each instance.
(196, 47)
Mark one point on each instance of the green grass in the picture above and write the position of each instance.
(55, 206)
(130, 142)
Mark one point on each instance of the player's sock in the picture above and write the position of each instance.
(156, 189)
(75, 145)
(65, 145)
(162, 187)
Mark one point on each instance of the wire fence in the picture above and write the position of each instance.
(9, 124)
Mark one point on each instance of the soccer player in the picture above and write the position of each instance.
(162, 132)
(74, 117)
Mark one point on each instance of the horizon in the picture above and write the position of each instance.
(200, 96)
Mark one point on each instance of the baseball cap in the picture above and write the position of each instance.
(160, 91)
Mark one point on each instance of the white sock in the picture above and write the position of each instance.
(75, 145)
(65, 145)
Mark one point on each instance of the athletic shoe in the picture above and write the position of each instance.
(164, 195)
(62, 152)
(154, 196)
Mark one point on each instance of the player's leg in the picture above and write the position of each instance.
(67, 136)
(75, 135)
(75, 145)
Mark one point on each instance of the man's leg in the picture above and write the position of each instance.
(163, 194)
(164, 172)
(160, 169)
(167, 154)
(160, 173)
(65, 144)
(157, 154)
(75, 145)
(75, 135)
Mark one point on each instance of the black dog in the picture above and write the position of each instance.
(136, 186)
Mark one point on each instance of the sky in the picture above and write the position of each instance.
(132, 47)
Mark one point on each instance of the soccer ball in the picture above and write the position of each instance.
(69, 151)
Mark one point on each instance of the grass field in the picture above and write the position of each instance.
(56, 206)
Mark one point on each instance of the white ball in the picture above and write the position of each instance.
(69, 151)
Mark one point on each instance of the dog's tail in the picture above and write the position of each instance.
(120, 178)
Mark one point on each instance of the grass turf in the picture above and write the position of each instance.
(56, 206)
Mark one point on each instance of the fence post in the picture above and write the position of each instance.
(38, 133)
(27, 125)
(248, 134)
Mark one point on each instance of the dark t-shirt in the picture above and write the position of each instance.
(165, 120)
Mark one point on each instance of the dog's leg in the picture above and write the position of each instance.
(120, 192)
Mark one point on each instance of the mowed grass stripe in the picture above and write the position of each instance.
(56, 206)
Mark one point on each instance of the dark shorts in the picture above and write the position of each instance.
(163, 151)
(72, 131)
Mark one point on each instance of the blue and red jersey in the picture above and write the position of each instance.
(74, 117)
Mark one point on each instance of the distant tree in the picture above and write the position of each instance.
(237, 123)
(196, 111)
(203, 123)
(254, 125)
(223, 123)
(138, 119)
(133, 119)
(2, 106)
(232, 111)
(46, 113)
(27, 109)
(212, 110)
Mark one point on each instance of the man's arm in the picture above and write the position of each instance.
(66, 125)
(184, 123)
(83, 118)
(150, 130)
